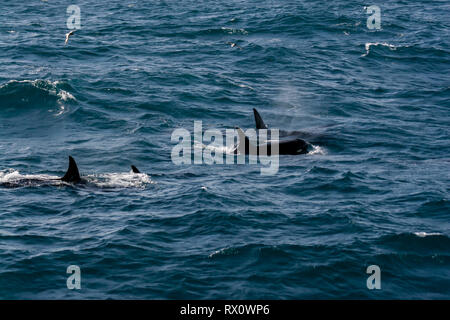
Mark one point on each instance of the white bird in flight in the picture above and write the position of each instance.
(68, 35)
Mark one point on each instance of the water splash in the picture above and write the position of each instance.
(119, 180)
(317, 150)
(368, 45)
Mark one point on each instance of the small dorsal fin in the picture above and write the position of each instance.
(259, 121)
(72, 174)
(135, 170)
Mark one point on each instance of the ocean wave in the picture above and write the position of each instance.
(20, 95)
(417, 242)
(408, 51)
(263, 250)
(368, 45)
(423, 234)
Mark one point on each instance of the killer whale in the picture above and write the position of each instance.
(72, 176)
(285, 147)
(135, 170)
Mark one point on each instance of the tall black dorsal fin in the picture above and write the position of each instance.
(72, 174)
(135, 170)
(259, 121)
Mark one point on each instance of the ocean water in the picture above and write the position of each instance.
(373, 190)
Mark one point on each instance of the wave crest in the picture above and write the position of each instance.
(21, 95)
(368, 45)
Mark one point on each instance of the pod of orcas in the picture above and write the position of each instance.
(244, 146)
(73, 175)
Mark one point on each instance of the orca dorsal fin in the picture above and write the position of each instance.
(135, 170)
(72, 174)
(244, 143)
(259, 121)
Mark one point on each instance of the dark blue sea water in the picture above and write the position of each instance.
(374, 189)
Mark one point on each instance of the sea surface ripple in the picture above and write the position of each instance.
(376, 192)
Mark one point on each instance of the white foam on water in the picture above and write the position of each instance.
(62, 109)
(221, 149)
(425, 234)
(241, 85)
(371, 44)
(64, 95)
(119, 180)
(317, 150)
(234, 31)
(10, 175)
(15, 178)
(217, 149)
(46, 85)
